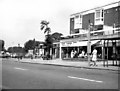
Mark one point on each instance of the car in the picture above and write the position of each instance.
(6, 55)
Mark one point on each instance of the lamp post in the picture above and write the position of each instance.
(89, 43)
(12, 48)
(18, 51)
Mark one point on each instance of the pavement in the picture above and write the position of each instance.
(76, 64)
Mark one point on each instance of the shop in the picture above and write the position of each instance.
(76, 46)
(108, 48)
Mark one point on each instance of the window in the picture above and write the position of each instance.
(99, 16)
(78, 21)
(81, 19)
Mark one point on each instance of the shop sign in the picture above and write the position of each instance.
(66, 44)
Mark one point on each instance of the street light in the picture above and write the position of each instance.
(89, 43)
(12, 48)
(18, 51)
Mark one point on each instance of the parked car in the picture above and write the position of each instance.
(16, 55)
(6, 55)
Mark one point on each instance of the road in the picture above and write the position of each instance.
(17, 75)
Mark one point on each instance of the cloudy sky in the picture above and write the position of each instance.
(20, 19)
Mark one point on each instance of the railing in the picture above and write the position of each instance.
(94, 33)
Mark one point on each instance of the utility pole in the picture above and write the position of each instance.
(89, 43)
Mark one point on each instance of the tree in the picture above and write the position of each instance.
(56, 36)
(29, 45)
(44, 26)
(2, 43)
(10, 49)
(48, 42)
(48, 38)
(17, 50)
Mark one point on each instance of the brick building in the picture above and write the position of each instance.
(102, 18)
(105, 31)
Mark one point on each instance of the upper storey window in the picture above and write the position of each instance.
(99, 16)
(78, 21)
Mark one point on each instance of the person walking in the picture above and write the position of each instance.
(83, 54)
(72, 54)
(94, 57)
(75, 54)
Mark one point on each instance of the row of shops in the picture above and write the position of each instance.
(103, 24)
(108, 48)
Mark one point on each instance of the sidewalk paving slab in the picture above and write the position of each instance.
(78, 64)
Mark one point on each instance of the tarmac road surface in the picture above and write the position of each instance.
(17, 75)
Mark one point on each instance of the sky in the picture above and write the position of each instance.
(20, 19)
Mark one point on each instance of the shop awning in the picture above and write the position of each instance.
(84, 43)
(79, 43)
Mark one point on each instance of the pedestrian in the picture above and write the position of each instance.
(72, 54)
(83, 54)
(75, 54)
(31, 56)
(94, 57)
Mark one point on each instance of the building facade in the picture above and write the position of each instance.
(104, 34)
(102, 18)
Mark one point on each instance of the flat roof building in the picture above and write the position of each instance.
(102, 18)
(104, 34)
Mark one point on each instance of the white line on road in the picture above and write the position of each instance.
(20, 68)
(85, 79)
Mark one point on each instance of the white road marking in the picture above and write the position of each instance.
(85, 79)
(20, 68)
